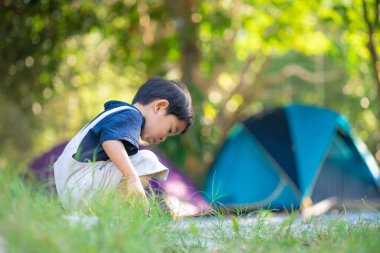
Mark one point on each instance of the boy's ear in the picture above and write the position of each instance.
(161, 104)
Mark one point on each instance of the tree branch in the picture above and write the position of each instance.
(301, 73)
(241, 83)
(247, 93)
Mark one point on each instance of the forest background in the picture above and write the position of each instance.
(61, 60)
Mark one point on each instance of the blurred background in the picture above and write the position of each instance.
(61, 60)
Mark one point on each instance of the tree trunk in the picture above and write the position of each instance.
(373, 26)
(188, 32)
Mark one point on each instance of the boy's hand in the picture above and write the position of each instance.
(134, 187)
(118, 155)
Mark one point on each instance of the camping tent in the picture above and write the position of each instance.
(291, 156)
(180, 194)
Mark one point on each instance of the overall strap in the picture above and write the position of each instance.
(74, 143)
(103, 115)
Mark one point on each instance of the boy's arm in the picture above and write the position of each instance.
(117, 153)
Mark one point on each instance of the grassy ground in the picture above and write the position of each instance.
(32, 222)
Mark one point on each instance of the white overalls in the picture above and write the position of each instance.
(78, 183)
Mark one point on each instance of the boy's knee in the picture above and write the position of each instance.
(144, 160)
(147, 163)
(145, 154)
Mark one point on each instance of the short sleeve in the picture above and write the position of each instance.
(124, 126)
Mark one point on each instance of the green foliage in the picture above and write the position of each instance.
(30, 221)
(33, 34)
(235, 225)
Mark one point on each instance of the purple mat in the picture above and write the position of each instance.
(182, 196)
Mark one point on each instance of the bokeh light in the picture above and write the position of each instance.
(364, 102)
(377, 155)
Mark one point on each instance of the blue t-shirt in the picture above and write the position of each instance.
(124, 125)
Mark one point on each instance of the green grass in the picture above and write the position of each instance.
(30, 221)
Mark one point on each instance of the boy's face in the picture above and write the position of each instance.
(159, 124)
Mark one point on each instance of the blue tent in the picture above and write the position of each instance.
(289, 156)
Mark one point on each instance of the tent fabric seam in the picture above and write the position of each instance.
(309, 191)
(276, 166)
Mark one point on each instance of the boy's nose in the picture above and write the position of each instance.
(162, 139)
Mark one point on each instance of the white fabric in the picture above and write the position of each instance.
(78, 183)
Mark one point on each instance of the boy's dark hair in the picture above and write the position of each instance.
(172, 90)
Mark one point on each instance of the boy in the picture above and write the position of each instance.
(105, 152)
